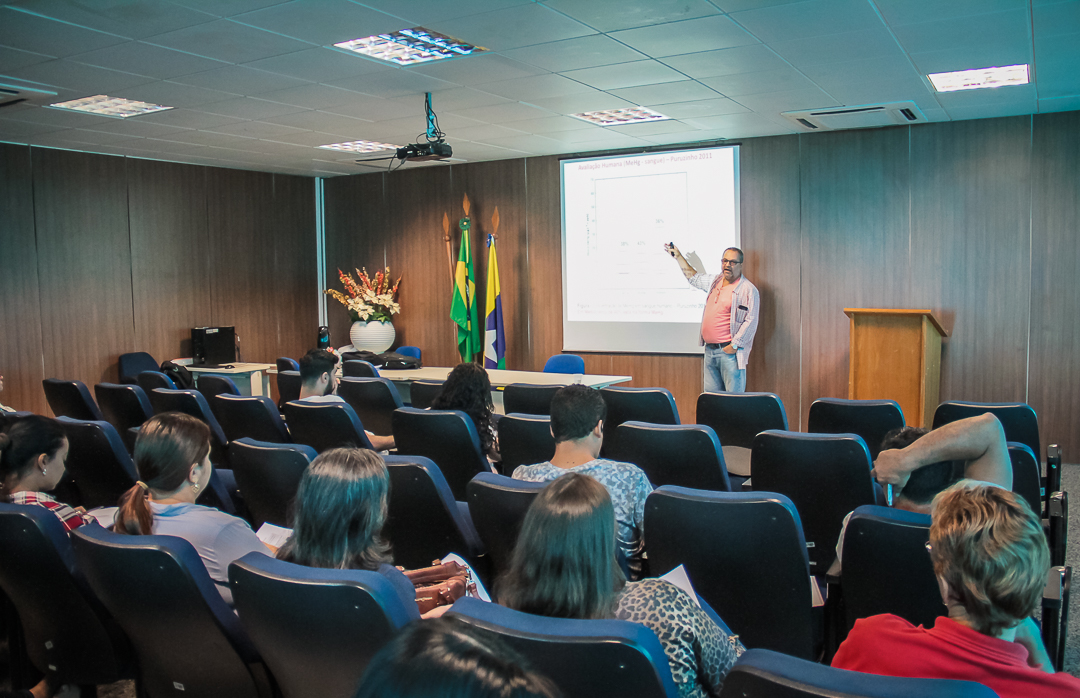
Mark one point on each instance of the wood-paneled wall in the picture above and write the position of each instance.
(977, 220)
(103, 255)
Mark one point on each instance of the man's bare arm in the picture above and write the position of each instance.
(978, 440)
(687, 270)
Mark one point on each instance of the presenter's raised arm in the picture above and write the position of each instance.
(687, 270)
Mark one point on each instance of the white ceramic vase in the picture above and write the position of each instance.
(372, 336)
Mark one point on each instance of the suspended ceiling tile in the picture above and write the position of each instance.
(394, 83)
(688, 36)
(999, 29)
(173, 94)
(322, 22)
(613, 15)
(78, 77)
(901, 12)
(571, 54)
(653, 128)
(240, 80)
(865, 44)
(549, 124)
(42, 35)
(730, 61)
(228, 41)
(612, 77)
(320, 64)
(810, 18)
(1059, 104)
(758, 83)
(708, 107)
(188, 118)
(773, 103)
(476, 69)
(536, 145)
(147, 59)
(454, 99)
(13, 58)
(13, 128)
(667, 93)
(134, 19)
(505, 113)
(311, 96)
(948, 60)
(421, 12)
(594, 100)
(250, 108)
(536, 87)
(512, 27)
(256, 129)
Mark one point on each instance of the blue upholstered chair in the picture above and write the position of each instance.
(66, 631)
(268, 475)
(448, 437)
(152, 380)
(672, 454)
(652, 405)
(525, 398)
(210, 385)
(98, 463)
(185, 636)
(870, 419)
(525, 439)
(316, 629)
(124, 406)
(70, 399)
(288, 385)
(414, 352)
(424, 521)
(193, 402)
(374, 400)
(356, 368)
(284, 363)
(423, 393)
(134, 363)
(565, 363)
(324, 425)
(250, 416)
(737, 418)
(746, 556)
(825, 475)
(761, 673)
(571, 652)
(497, 506)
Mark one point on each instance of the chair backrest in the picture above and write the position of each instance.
(571, 651)
(738, 417)
(406, 350)
(423, 393)
(886, 568)
(652, 405)
(1026, 475)
(870, 419)
(525, 439)
(284, 363)
(356, 368)
(1018, 419)
(497, 505)
(324, 425)
(123, 405)
(525, 398)
(134, 363)
(424, 522)
(185, 636)
(193, 403)
(825, 475)
(211, 385)
(745, 555)
(151, 380)
(67, 632)
(251, 416)
(98, 463)
(316, 629)
(268, 475)
(671, 454)
(761, 673)
(288, 385)
(447, 437)
(70, 399)
(565, 363)
(374, 400)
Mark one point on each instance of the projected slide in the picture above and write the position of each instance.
(617, 215)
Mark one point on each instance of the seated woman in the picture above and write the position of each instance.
(340, 510)
(172, 457)
(564, 566)
(991, 561)
(445, 657)
(468, 389)
(33, 451)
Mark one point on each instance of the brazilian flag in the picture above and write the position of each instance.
(463, 306)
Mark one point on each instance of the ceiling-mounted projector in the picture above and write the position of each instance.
(433, 150)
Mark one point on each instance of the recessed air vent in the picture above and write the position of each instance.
(863, 116)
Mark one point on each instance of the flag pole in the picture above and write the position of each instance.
(449, 247)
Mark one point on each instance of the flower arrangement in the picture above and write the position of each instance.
(372, 298)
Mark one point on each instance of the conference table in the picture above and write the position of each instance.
(500, 378)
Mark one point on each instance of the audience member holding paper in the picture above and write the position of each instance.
(172, 457)
(564, 566)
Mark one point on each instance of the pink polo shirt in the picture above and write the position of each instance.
(716, 320)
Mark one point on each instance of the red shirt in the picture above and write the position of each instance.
(891, 646)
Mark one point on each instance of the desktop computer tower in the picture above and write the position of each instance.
(213, 345)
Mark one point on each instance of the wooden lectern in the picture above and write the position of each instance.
(896, 355)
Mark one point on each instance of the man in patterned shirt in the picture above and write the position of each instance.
(577, 423)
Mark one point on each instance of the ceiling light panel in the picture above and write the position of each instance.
(980, 78)
(360, 146)
(103, 105)
(410, 46)
(621, 117)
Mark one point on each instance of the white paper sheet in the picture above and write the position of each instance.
(679, 578)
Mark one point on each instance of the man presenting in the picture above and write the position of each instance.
(729, 321)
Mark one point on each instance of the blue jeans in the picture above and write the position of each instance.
(722, 372)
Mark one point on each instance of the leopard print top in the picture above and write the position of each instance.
(699, 652)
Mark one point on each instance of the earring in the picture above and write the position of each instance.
(43, 471)
(195, 487)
